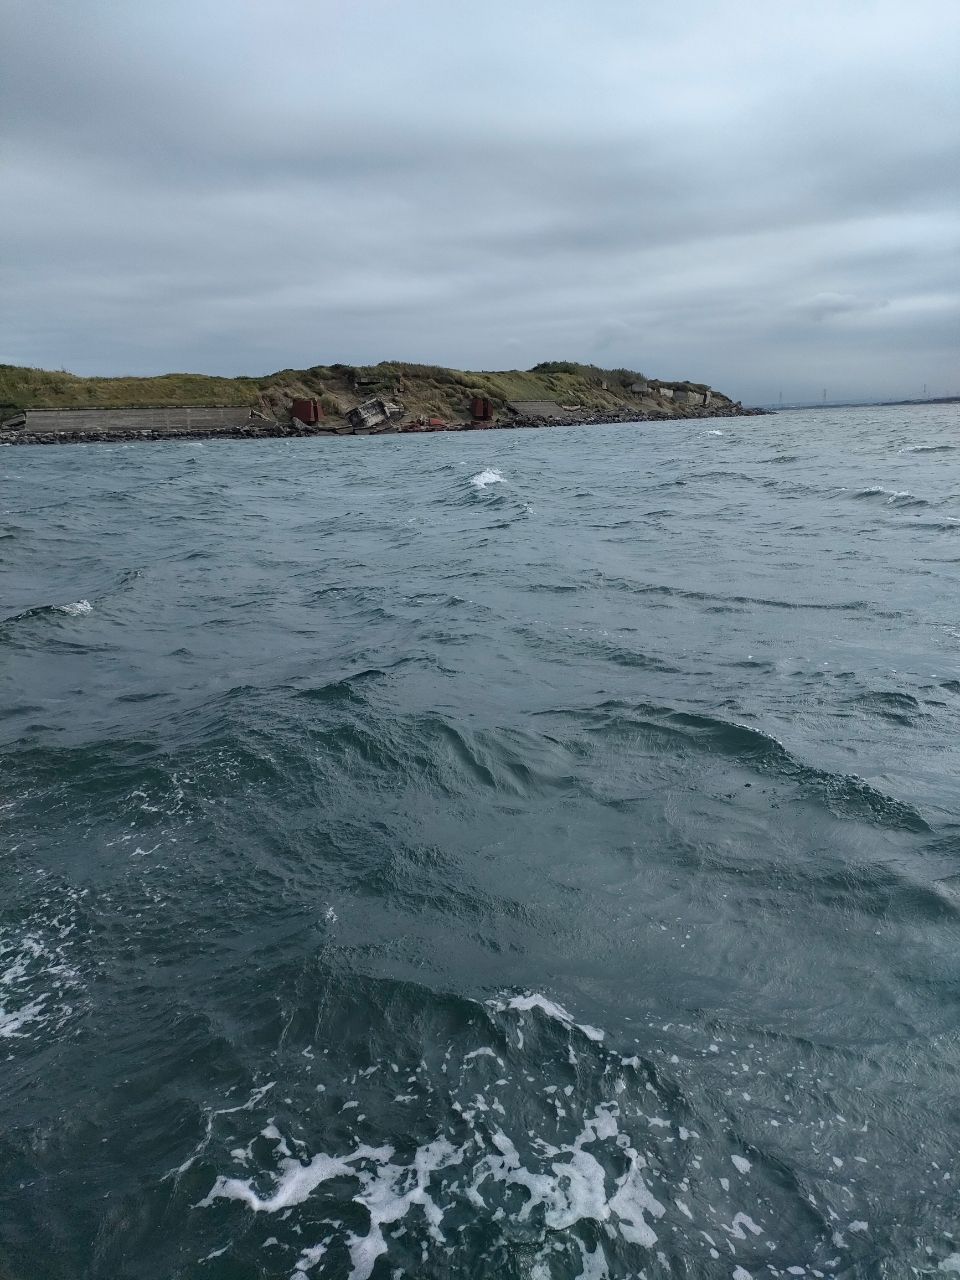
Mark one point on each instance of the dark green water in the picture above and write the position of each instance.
(523, 854)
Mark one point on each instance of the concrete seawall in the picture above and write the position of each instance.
(82, 426)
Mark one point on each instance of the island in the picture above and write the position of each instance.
(40, 406)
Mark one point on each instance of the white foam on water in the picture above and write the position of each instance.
(38, 984)
(741, 1220)
(309, 1258)
(485, 1052)
(571, 1188)
(77, 609)
(879, 490)
(255, 1098)
(713, 433)
(594, 1264)
(12, 1024)
(487, 477)
(296, 1181)
(951, 1264)
(387, 1191)
(604, 1176)
(550, 1008)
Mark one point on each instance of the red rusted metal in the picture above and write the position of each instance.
(307, 411)
(481, 410)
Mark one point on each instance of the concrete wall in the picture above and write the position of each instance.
(133, 419)
(694, 399)
(537, 408)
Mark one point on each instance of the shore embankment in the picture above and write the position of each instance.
(261, 430)
(42, 407)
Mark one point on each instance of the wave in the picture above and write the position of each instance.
(78, 609)
(40, 984)
(895, 497)
(899, 708)
(722, 474)
(533, 1137)
(484, 478)
(892, 497)
(946, 524)
(846, 795)
(770, 602)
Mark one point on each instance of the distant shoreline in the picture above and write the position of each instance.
(260, 429)
(41, 406)
(861, 404)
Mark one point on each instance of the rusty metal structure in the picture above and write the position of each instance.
(309, 412)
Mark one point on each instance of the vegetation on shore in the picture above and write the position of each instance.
(429, 390)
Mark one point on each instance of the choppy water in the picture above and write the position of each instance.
(523, 854)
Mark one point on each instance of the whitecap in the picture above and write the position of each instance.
(76, 609)
(879, 490)
(12, 1023)
(533, 1000)
(489, 476)
(38, 985)
(593, 1170)
(572, 1188)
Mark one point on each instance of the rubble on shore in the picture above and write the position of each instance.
(263, 429)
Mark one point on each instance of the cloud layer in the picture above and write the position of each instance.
(762, 196)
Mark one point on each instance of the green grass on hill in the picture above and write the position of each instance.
(40, 389)
(423, 389)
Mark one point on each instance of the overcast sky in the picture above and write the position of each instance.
(759, 194)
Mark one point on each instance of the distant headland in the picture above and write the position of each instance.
(39, 406)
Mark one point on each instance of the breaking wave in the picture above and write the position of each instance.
(530, 1147)
(487, 477)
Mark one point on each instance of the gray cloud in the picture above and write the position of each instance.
(764, 197)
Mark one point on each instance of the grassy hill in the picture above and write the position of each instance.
(41, 389)
(423, 389)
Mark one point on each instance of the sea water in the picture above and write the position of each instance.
(513, 854)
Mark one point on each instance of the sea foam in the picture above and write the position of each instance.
(593, 1172)
(487, 477)
(38, 983)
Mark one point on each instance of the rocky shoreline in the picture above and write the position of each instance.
(261, 429)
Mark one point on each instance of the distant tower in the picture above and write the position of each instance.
(824, 395)
(781, 399)
(924, 391)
